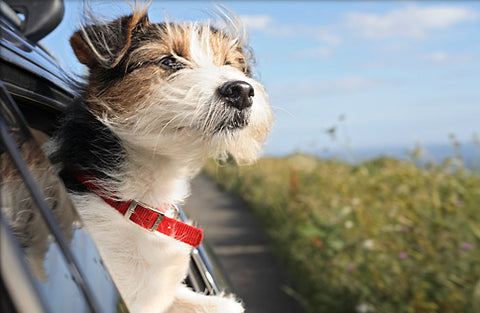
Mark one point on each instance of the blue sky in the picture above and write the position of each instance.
(385, 73)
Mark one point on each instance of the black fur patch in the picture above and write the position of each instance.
(86, 145)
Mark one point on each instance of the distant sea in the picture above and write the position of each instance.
(468, 153)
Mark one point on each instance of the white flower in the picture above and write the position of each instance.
(355, 201)
(368, 244)
(364, 308)
(345, 210)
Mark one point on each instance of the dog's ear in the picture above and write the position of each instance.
(105, 44)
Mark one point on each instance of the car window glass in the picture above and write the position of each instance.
(51, 273)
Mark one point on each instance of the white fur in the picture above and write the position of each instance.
(167, 142)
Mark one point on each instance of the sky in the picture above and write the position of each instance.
(346, 74)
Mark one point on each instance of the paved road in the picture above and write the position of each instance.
(241, 248)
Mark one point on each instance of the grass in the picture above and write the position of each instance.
(381, 236)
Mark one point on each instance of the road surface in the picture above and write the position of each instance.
(241, 248)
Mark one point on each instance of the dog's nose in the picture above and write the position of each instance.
(237, 93)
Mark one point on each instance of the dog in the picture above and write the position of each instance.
(158, 101)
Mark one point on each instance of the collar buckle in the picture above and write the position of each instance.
(133, 206)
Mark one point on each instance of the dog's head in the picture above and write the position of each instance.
(175, 88)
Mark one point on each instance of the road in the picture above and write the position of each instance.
(241, 248)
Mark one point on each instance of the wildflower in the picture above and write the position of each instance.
(317, 242)
(403, 255)
(355, 201)
(348, 224)
(368, 244)
(294, 184)
(364, 308)
(345, 211)
(405, 229)
(467, 246)
(350, 267)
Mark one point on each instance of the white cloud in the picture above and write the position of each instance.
(267, 25)
(411, 22)
(325, 34)
(443, 57)
(319, 33)
(438, 56)
(256, 22)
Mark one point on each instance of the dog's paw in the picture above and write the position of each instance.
(188, 301)
(226, 304)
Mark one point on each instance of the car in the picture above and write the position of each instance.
(48, 261)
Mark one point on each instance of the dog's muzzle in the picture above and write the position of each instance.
(237, 97)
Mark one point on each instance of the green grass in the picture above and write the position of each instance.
(381, 236)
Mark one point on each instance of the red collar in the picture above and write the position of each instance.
(148, 217)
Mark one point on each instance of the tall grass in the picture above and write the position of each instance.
(381, 236)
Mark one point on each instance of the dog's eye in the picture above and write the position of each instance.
(171, 63)
(241, 64)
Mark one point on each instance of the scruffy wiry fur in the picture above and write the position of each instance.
(154, 107)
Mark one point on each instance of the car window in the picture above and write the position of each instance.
(69, 277)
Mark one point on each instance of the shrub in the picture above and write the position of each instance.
(382, 236)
